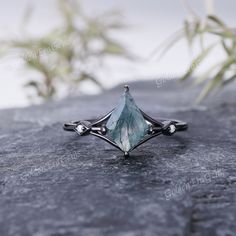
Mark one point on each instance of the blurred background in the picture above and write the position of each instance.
(53, 49)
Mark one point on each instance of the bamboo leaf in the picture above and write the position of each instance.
(95, 81)
(165, 46)
(86, 76)
(205, 76)
(226, 48)
(187, 32)
(216, 20)
(224, 34)
(211, 85)
(36, 86)
(170, 44)
(114, 48)
(196, 62)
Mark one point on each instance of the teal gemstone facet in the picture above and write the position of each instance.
(126, 126)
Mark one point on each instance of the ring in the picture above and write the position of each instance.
(126, 127)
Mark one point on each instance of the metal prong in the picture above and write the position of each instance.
(126, 154)
(126, 88)
(150, 130)
(103, 129)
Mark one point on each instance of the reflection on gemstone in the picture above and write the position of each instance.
(126, 126)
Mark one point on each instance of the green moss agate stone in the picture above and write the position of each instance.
(126, 126)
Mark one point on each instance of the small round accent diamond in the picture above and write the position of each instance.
(80, 129)
(172, 129)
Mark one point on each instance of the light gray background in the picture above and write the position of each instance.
(151, 22)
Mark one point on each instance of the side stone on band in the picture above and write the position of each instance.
(126, 127)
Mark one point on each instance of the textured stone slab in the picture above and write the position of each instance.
(56, 183)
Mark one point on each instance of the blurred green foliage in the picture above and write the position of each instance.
(67, 55)
(198, 29)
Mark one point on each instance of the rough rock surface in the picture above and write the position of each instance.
(56, 183)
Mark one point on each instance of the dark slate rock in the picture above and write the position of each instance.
(56, 183)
